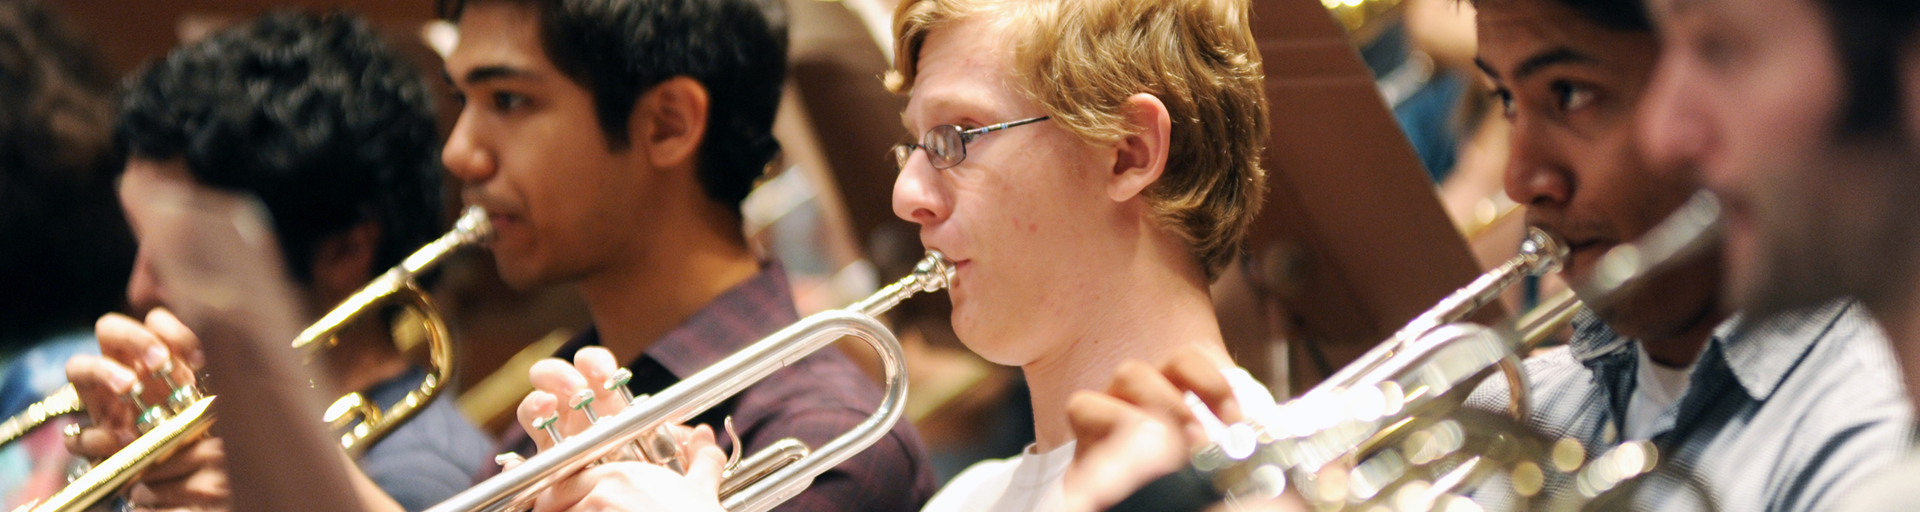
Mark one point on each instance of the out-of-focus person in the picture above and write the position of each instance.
(1777, 413)
(67, 251)
(334, 134)
(1801, 116)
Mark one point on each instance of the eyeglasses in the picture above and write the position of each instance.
(946, 144)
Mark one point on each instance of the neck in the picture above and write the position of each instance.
(1899, 316)
(1144, 313)
(687, 263)
(1681, 350)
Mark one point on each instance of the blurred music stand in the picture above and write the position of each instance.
(1352, 242)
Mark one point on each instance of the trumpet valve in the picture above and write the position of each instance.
(583, 402)
(617, 382)
(550, 425)
(148, 415)
(178, 396)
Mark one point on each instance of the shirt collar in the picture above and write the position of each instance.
(1759, 354)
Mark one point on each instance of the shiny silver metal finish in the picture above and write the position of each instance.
(514, 489)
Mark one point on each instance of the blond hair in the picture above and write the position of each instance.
(1081, 59)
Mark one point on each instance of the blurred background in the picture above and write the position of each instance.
(1384, 167)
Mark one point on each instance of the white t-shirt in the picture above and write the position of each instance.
(1030, 482)
(1655, 389)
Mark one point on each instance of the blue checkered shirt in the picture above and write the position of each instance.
(1784, 415)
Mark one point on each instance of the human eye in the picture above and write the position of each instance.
(508, 101)
(1571, 96)
(1503, 97)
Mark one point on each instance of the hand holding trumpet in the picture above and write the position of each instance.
(619, 485)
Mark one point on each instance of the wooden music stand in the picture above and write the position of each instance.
(1352, 242)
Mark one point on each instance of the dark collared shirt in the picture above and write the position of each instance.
(813, 400)
(1785, 415)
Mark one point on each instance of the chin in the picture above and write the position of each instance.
(518, 274)
(989, 344)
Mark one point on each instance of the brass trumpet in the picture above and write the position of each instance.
(1390, 429)
(517, 487)
(186, 415)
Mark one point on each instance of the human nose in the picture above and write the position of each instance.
(917, 195)
(464, 156)
(143, 289)
(1534, 175)
(1673, 130)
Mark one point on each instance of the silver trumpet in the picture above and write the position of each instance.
(753, 490)
(1390, 428)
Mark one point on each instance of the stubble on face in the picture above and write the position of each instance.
(1807, 208)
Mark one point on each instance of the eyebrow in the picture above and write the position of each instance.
(1681, 6)
(1540, 61)
(947, 102)
(489, 73)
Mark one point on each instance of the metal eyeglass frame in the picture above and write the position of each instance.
(938, 139)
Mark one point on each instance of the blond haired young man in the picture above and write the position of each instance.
(1090, 167)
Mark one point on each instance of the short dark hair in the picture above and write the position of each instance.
(313, 114)
(620, 49)
(65, 251)
(1869, 37)
(1623, 15)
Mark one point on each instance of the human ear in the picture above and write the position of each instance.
(671, 121)
(343, 262)
(1140, 156)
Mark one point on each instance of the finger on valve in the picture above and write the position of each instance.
(180, 340)
(143, 351)
(598, 367)
(104, 387)
(538, 419)
(569, 388)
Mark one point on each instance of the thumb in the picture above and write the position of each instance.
(708, 461)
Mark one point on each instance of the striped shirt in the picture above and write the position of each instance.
(1782, 415)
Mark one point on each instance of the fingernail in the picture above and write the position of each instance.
(156, 357)
(119, 379)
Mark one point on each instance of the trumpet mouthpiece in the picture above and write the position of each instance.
(473, 225)
(1547, 251)
(933, 272)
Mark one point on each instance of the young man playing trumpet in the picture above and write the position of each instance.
(612, 143)
(1801, 116)
(1781, 413)
(1086, 198)
(334, 134)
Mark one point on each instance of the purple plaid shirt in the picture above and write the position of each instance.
(813, 400)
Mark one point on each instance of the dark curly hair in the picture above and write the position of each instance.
(620, 49)
(313, 114)
(65, 251)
